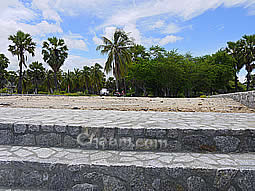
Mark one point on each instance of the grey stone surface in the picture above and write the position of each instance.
(20, 128)
(53, 169)
(50, 139)
(6, 137)
(245, 98)
(85, 187)
(138, 131)
(227, 143)
(127, 119)
(196, 183)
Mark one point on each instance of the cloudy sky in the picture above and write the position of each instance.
(196, 26)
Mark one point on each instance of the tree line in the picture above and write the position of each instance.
(137, 71)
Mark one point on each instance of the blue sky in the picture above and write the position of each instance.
(196, 26)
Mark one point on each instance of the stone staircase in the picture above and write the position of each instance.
(54, 149)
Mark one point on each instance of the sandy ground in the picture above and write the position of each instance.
(126, 104)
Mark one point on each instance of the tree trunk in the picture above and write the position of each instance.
(125, 88)
(20, 76)
(248, 80)
(117, 85)
(55, 80)
(36, 87)
(236, 83)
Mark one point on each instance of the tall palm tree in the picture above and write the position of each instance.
(54, 54)
(247, 45)
(119, 54)
(233, 49)
(22, 44)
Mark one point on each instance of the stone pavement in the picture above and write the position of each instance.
(117, 150)
(134, 119)
(65, 169)
(132, 131)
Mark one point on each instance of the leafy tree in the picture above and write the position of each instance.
(36, 73)
(97, 77)
(67, 80)
(247, 45)
(22, 44)
(55, 53)
(3, 73)
(119, 55)
(234, 50)
(85, 78)
(110, 84)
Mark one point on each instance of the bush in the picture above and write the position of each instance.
(203, 96)
(4, 90)
(41, 92)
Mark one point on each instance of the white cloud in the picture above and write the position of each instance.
(75, 41)
(96, 40)
(48, 9)
(78, 62)
(171, 29)
(169, 39)
(157, 25)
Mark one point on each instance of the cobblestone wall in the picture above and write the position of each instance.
(245, 98)
(54, 176)
(129, 139)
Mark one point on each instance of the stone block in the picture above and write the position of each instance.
(49, 139)
(33, 128)
(74, 130)
(85, 187)
(25, 140)
(20, 128)
(47, 128)
(60, 128)
(6, 137)
(70, 142)
(227, 144)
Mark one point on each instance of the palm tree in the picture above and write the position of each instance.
(54, 54)
(85, 77)
(119, 54)
(3, 73)
(49, 79)
(233, 49)
(247, 45)
(97, 77)
(22, 44)
(67, 80)
(36, 73)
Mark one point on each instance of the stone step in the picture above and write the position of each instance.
(133, 131)
(75, 169)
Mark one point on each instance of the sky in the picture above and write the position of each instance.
(197, 26)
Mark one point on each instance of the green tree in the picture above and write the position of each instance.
(22, 44)
(54, 54)
(3, 73)
(85, 78)
(36, 73)
(119, 55)
(247, 45)
(97, 77)
(234, 50)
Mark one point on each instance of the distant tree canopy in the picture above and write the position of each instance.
(136, 70)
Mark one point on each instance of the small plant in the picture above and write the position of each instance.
(203, 96)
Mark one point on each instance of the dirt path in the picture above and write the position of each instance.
(126, 104)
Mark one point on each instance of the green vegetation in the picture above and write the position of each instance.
(22, 44)
(137, 71)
